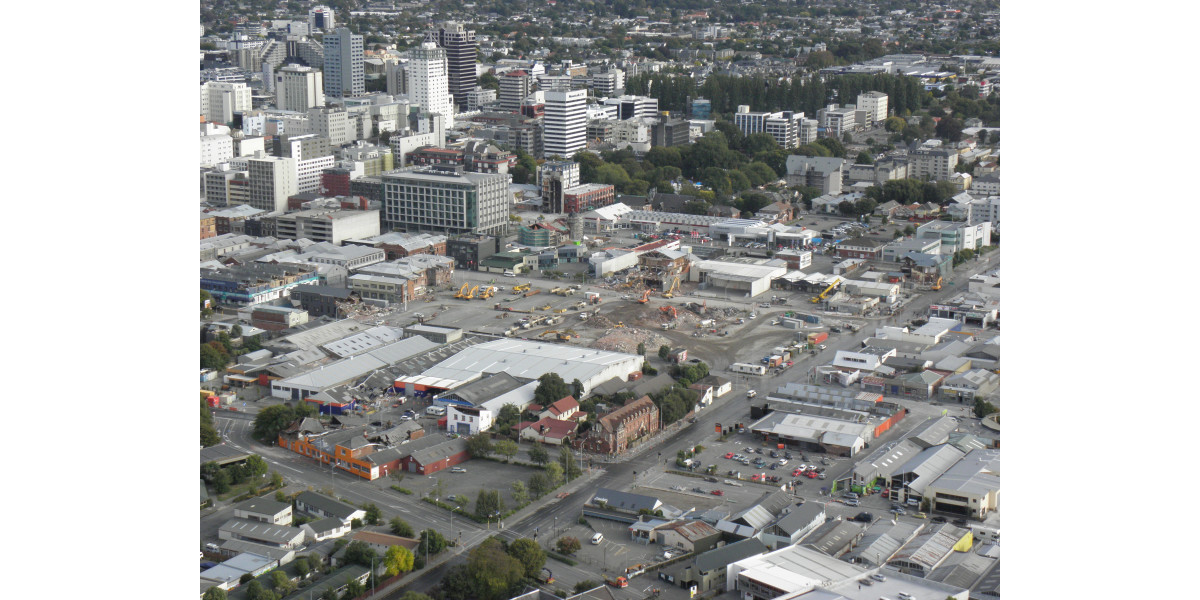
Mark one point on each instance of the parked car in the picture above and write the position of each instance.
(458, 470)
(878, 577)
(864, 517)
(920, 515)
(729, 455)
(938, 519)
(717, 493)
(851, 502)
(850, 495)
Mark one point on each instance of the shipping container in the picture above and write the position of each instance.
(817, 338)
(775, 361)
(810, 318)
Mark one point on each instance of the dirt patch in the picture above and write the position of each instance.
(626, 339)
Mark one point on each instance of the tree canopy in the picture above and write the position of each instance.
(397, 560)
(551, 388)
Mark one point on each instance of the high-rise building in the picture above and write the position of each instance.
(670, 132)
(701, 109)
(427, 81)
(609, 83)
(312, 156)
(514, 87)
(446, 201)
(461, 49)
(272, 180)
(218, 101)
(478, 97)
(554, 178)
(320, 18)
(394, 72)
(784, 126)
(298, 88)
(634, 107)
(344, 64)
(565, 123)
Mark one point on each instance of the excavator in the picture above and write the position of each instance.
(488, 293)
(937, 285)
(471, 293)
(462, 293)
(670, 293)
(561, 336)
(670, 310)
(645, 298)
(832, 286)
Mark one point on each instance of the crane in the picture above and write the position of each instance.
(832, 286)
(670, 293)
(462, 292)
(645, 298)
(670, 310)
(524, 287)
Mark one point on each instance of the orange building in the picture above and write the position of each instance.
(348, 449)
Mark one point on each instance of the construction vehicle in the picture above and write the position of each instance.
(618, 582)
(937, 285)
(546, 577)
(645, 297)
(556, 291)
(824, 294)
(524, 287)
(620, 324)
(671, 311)
(593, 298)
(670, 293)
(546, 307)
(580, 305)
(462, 293)
(488, 293)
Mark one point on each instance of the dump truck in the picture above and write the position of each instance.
(619, 581)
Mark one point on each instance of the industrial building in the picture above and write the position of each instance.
(741, 278)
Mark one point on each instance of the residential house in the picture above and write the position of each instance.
(547, 430)
(691, 536)
(279, 536)
(324, 529)
(563, 409)
(265, 510)
(320, 505)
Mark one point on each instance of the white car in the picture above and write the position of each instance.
(782, 461)
(458, 470)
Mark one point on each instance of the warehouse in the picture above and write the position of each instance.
(790, 571)
(842, 438)
(525, 359)
(327, 377)
(970, 488)
(736, 278)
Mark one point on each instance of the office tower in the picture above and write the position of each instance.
(446, 201)
(554, 177)
(565, 123)
(298, 88)
(427, 81)
(514, 87)
(460, 46)
(875, 103)
(320, 18)
(344, 64)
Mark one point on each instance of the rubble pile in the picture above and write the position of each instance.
(626, 339)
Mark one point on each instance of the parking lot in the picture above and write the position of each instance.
(480, 475)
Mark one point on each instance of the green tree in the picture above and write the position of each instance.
(435, 541)
(221, 481)
(255, 590)
(488, 81)
(401, 527)
(539, 484)
(664, 351)
(397, 560)
(354, 589)
(214, 593)
(271, 420)
(568, 545)
(256, 466)
(211, 358)
(833, 145)
(576, 388)
(208, 433)
(550, 389)
(494, 574)
(276, 480)
(538, 454)
(300, 567)
(570, 465)
(359, 553)
(281, 582)
(760, 142)
(554, 473)
(738, 181)
(480, 445)
(411, 595)
(509, 415)
(585, 585)
(950, 128)
(894, 124)
(506, 448)
(864, 158)
(984, 408)
(488, 503)
(530, 555)
(641, 348)
(519, 494)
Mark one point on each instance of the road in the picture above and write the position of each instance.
(730, 409)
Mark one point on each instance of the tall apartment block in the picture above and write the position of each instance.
(447, 201)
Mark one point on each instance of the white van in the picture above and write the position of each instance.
(436, 411)
(596, 539)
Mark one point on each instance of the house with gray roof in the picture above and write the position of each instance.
(312, 503)
(754, 518)
(794, 524)
(881, 541)
(708, 571)
(619, 506)
(834, 538)
(266, 510)
(263, 533)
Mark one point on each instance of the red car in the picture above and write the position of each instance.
(755, 477)
(811, 474)
(728, 455)
(797, 473)
(718, 492)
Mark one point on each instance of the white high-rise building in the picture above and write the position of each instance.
(218, 100)
(333, 124)
(215, 149)
(320, 18)
(272, 180)
(876, 105)
(298, 88)
(565, 123)
(427, 81)
(344, 64)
